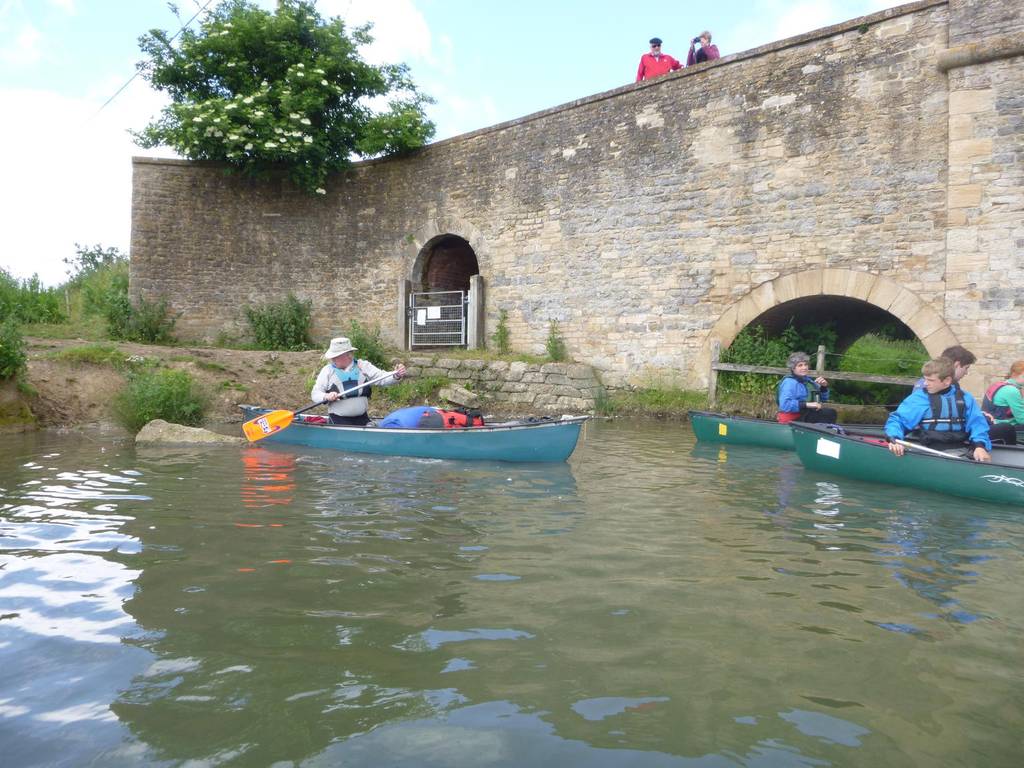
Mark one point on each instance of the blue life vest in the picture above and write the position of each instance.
(350, 382)
(941, 425)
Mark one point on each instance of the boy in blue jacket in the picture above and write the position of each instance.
(941, 413)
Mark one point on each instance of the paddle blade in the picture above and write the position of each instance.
(267, 424)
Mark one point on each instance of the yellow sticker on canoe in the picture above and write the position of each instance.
(723, 429)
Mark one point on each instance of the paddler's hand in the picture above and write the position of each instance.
(330, 397)
(896, 449)
(980, 454)
(400, 371)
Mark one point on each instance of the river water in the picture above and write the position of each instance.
(650, 603)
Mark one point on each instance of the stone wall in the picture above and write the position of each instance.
(644, 219)
(544, 387)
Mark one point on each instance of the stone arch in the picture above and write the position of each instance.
(445, 263)
(926, 323)
(442, 233)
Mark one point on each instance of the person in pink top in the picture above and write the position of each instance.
(656, 63)
(707, 52)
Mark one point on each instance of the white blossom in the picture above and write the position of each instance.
(197, 119)
(258, 113)
(216, 119)
(308, 139)
(270, 145)
(306, 121)
(321, 191)
(230, 106)
(324, 82)
(294, 115)
(248, 147)
(300, 74)
(247, 100)
(300, 65)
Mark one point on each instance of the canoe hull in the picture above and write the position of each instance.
(542, 441)
(822, 451)
(741, 430)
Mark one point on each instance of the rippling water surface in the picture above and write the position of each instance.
(650, 603)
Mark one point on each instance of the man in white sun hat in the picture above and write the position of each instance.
(340, 383)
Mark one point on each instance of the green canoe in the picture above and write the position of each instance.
(740, 430)
(868, 458)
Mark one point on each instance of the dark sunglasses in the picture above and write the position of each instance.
(655, 46)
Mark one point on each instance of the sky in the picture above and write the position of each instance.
(67, 157)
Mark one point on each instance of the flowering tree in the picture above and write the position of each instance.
(284, 90)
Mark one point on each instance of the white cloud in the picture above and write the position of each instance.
(25, 49)
(68, 174)
(68, 6)
(399, 30)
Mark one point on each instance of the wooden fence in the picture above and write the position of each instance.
(819, 370)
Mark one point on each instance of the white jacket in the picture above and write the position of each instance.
(347, 406)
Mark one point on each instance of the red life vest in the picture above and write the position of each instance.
(460, 419)
(998, 411)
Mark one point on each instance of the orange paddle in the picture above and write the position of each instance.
(270, 423)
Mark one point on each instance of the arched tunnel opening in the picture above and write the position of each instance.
(858, 336)
(851, 319)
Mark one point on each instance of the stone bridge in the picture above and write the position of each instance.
(869, 171)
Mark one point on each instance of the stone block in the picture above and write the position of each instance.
(964, 196)
(967, 102)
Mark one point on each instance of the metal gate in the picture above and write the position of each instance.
(437, 319)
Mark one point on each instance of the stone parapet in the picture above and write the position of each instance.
(553, 387)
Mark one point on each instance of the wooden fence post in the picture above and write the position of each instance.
(716, 350)
(820, 367)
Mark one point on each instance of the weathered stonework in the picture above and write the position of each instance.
(565, 387)
(880, 159)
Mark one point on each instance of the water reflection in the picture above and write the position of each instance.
(651, 603)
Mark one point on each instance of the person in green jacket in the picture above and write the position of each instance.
(1004, 401)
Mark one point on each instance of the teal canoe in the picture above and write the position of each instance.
(951, 472)
(741, 430)
(549, 439)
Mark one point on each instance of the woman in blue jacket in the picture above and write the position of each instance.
(800, 397)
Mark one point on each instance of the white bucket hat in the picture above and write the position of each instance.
(339, 346)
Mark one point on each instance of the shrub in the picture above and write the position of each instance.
(281, 325)
(95, 354)
(12, 350)
(160, 394)
(875, 354)
(369, 345)
(501, 335)
(555, 344)
(753, 346)
(27, 301)
(95, 272)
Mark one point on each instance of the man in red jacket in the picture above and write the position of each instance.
(656, 63)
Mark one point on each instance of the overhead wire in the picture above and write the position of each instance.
(137, 71)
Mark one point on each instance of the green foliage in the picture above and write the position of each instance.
(501, 336)
(160, 394)
(875, 354)
(369, 345)
(412, 391)
(94, 354)
(281, 325)
(287, 90)
(146, 321)
(555, 344)
(753, 346)
(660, 401)
(13, 358)
(27, 301)
(96, 274)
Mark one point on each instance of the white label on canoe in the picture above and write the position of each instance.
(723, 429)
(828, 448)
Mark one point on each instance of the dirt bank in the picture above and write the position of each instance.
(72, 393)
